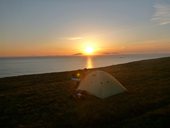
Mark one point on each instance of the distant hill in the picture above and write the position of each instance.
(77, 54)
(110, 53)
(46, 100)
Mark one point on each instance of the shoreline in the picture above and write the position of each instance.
(82, 69)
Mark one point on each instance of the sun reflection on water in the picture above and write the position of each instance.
(89, 62)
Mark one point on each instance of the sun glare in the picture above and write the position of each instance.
(89, 50)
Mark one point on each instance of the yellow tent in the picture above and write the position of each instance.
(101, 84)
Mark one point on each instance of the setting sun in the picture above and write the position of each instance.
(89, 50)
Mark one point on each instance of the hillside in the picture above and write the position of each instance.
(46, 100)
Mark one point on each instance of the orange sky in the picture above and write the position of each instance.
(98, 49)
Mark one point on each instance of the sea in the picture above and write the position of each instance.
(15, 66)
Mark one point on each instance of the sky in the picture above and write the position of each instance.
(66, 27)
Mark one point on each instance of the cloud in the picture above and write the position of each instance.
(162, 13)
(74, 38)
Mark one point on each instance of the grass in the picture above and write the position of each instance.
(46, 100)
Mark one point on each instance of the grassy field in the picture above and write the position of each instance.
(46, 101)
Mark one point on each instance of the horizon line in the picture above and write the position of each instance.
(74, 55)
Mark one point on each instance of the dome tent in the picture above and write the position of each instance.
(101, 84)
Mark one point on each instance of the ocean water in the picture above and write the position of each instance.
(36, 65)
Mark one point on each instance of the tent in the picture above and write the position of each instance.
(101, 84)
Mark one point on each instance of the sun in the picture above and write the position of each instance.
(89, 50)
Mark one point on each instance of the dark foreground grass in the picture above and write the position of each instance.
(46, 101)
